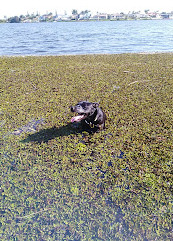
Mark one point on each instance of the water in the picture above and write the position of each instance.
(66, 38)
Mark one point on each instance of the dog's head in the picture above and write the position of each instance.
(84, 109)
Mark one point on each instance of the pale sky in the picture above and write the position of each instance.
(11, 8)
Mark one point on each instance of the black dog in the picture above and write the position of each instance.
(89, 114)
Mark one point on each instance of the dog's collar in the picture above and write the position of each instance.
(89, 123)
(95, 119)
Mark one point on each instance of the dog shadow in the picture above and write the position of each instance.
(45, 135)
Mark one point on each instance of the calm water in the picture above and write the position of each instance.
(86, 37)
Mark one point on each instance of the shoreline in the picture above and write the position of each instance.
(91, 20)
(89, 54)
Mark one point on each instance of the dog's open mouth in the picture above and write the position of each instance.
(78, 118)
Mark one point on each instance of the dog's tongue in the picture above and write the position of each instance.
(77, 118)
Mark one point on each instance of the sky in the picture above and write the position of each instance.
(11, 8)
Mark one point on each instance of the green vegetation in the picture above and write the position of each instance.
(60, 183)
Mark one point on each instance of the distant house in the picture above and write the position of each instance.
(154, 15)
(165, 15)
(75, 17)
(99, 16)
(117, 16)
(66, 18)
(43, 18)
(46, 17)
(84, 16)
(171, 15)
(103, 16)
(142, 16)
(94, 17)
(135, 15)
(62, 17)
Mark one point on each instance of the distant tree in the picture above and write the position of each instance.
(85, 12)
(32, 16)
(14, 19)
(74, 12)
(2, 20)
(146, 11)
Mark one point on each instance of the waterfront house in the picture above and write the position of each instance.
(117, 16)
(100, 16)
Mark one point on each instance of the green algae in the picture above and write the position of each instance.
(60, 183)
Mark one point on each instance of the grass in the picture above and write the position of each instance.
(59, 183)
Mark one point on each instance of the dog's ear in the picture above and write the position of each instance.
(95, 105)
